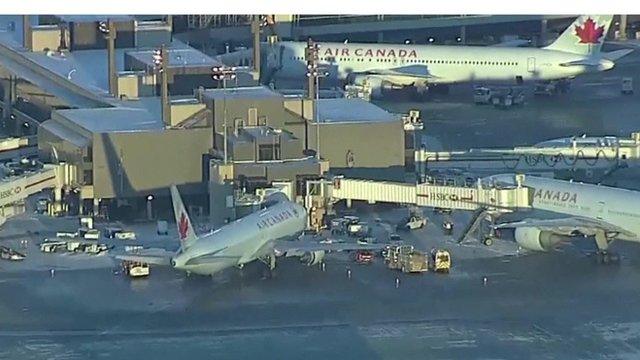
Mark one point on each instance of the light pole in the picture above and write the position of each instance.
(316, 74)
(222, 73)
(149, 208)
(161, 63)
(108, 30)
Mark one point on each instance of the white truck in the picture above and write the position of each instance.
(503, 98)
(412, 222)
(126, 235)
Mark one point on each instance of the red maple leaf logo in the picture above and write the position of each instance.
(183, 226)
(589, 32)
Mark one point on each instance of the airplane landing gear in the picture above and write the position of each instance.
(606, 257)
(270, 264)
(603, 255)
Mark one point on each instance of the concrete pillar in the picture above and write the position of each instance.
(543, 32)
(96, 206)
(348, 203)
(623, 27)
(463, 35)
(26, 32)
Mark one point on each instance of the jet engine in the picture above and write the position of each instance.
(532, 238)
(312, 258)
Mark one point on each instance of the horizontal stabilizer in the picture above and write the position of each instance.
(615, 55)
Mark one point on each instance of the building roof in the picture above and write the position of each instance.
(248, 92)
(180, 55)
(343, 110)
(64, 132)
(94, 18)
(114, 119)
(260, 134)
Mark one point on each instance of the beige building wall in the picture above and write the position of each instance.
(149, 160)
(46, 37)
(373, 145)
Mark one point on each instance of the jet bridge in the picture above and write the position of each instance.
(585, 154)
(15, 189)
(428, 195)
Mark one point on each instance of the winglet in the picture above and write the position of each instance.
(185, 228)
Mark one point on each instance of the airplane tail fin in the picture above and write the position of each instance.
(185, 229)
(585, 36)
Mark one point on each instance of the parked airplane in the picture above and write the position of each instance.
(604, 212)
(384, 66)
(259, 236)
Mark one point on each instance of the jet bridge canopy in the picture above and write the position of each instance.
(428, 195)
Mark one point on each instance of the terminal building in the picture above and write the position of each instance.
(215, 142)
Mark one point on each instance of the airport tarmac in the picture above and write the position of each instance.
(536, 305)
(553, 305)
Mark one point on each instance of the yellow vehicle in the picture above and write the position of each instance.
(442, 261)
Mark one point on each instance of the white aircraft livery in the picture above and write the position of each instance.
(604, 212)
(575, 52)
(259, 236)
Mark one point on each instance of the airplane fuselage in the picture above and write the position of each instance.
(243, 240)
(436, 64)
(602, 203)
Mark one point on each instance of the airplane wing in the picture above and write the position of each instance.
(153, 256)
(417, 71)
(617, 54)
(567, 226)
(299, 247)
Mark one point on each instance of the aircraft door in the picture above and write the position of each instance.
(600, 210)
(531, 64)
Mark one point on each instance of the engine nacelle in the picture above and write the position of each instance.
(532, 238)
(312, 258)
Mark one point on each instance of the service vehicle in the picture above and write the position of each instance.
(135, 269)
(447, 227)
(413, 222)
(359, 229)
(407, 259)
(366, 240)
(364, 257)
(111, 231)
(441, 261)
(42, 205)
(92, 234)
(126, 235)
(7, 253)
(162, 227)
(67, 234)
